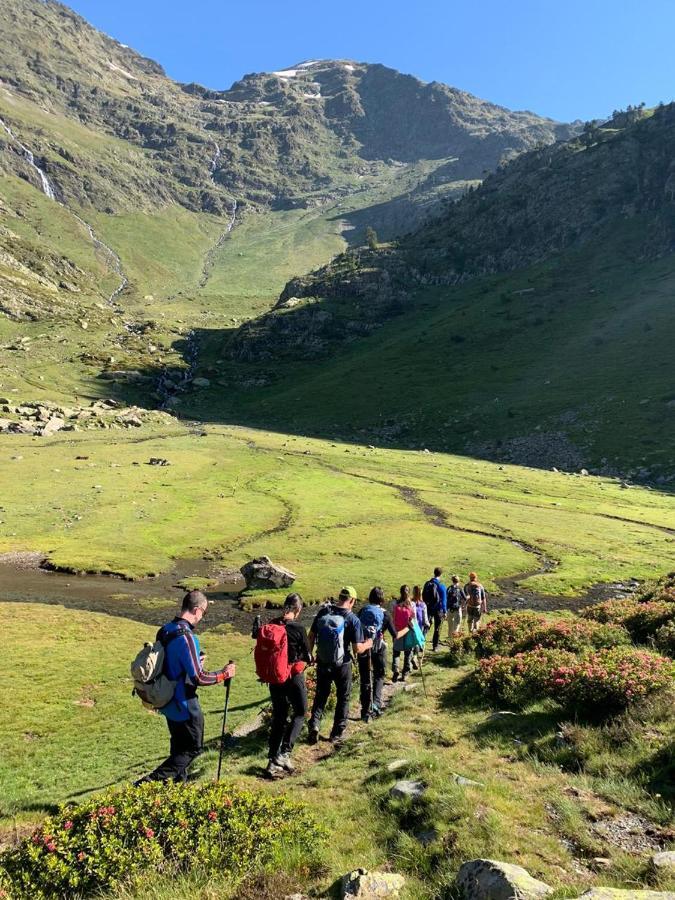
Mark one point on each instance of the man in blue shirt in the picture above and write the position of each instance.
(337, 634)
(183, 664)
(435, 596)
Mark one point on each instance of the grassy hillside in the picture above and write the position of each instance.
(332, 513)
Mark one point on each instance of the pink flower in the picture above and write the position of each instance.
(213, 815)
(81, 856)
(51, 846)
(148, 832)
(68, 825)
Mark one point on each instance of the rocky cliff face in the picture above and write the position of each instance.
(273, 139)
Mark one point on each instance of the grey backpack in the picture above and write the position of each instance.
(147, 670)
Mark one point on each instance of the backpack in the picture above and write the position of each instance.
(431, 595)
(153, 687)
(372, 619)
(454, 596)
(474, 599)
(271, 654)
(330, 638)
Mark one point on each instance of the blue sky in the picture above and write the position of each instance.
(567, 59)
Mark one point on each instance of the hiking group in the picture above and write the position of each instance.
(167, 673)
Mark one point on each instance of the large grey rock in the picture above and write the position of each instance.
(664, 862)
(606, 893)
(371, 885)
(397, 764)
(263, 573)
(462, 781)
(489, 879)
(407, 788)
(52, 425)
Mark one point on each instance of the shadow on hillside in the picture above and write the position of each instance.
(260, 393)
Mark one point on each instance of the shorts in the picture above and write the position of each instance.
(474, 613)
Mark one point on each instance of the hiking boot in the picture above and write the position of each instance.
(337, 740)
(365, 717)
(273, 770)
(283, 760)
(313, 736)
(376, 711)
(403, 677)
(395, 677)
(414, 664)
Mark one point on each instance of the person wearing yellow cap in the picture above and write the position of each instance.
(337, 635)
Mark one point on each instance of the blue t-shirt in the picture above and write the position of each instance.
(182, 664)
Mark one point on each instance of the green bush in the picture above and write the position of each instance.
(641, 620)
(117, 836)
(602, 682)
(665, 638)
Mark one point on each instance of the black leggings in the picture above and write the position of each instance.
(286, 697)
(372, 681)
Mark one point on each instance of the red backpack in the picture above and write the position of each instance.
(271, 654)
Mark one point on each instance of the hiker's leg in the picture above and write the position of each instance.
(296, 696)
(343, 686)
(395, 660)
(365, 679)
(186, 745)
(437, 630)
(279, 717)
(324, 682)
(379, 661)
(457, 620)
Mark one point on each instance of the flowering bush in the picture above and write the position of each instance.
(609, 680)
(522, 678)
(118, 835)
(604, 681)
(641, 620)
(518, 633)
(665, 638)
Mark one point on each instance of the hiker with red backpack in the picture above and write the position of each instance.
(337, 635)
(183, 671)
(373, 663)
(434, 594)
(281, 656)
(476, 601)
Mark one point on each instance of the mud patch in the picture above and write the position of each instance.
(631, 833)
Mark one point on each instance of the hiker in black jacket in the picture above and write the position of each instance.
(373, 663)
(290, 696)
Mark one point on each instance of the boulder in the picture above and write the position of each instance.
(488, 879)
(397, 764)
(606, 893)
(4, 424)
(371, 885)
(52, 425)
(462, 781)
(201, 382)
(406, 788)
(664, 862)
(263, 573)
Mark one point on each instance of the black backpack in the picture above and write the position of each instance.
(431, 595)
(454, 596)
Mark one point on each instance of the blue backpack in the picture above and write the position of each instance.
(372, 619)
(330, 638)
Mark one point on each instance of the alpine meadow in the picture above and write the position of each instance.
(343, 398)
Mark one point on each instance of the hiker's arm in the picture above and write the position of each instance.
(305, 649)
(362, 646)
(193, 667)
(389, 626)
(444, 599)
(484, 600)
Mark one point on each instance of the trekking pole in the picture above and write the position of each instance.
(424, 684)
(222, 733)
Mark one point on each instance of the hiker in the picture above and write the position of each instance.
(337, 634)
(280, 662)
(422, 621)
(435, 597)
(476, 601)
(183, 664)
(404, 612)
(375, 621)
(456, 599)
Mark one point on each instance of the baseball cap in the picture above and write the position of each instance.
(348, 592)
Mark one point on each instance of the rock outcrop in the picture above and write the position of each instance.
(488, 879)
(263, 573)
(371, 885)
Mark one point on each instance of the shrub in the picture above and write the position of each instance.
(119, 835)
(602, 682)
(665, 638)
(522, 678)
(608, 681)
(521, 632)
(641, 620)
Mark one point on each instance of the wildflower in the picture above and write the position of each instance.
(148, 832)
(212, 816)
(67, 825)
